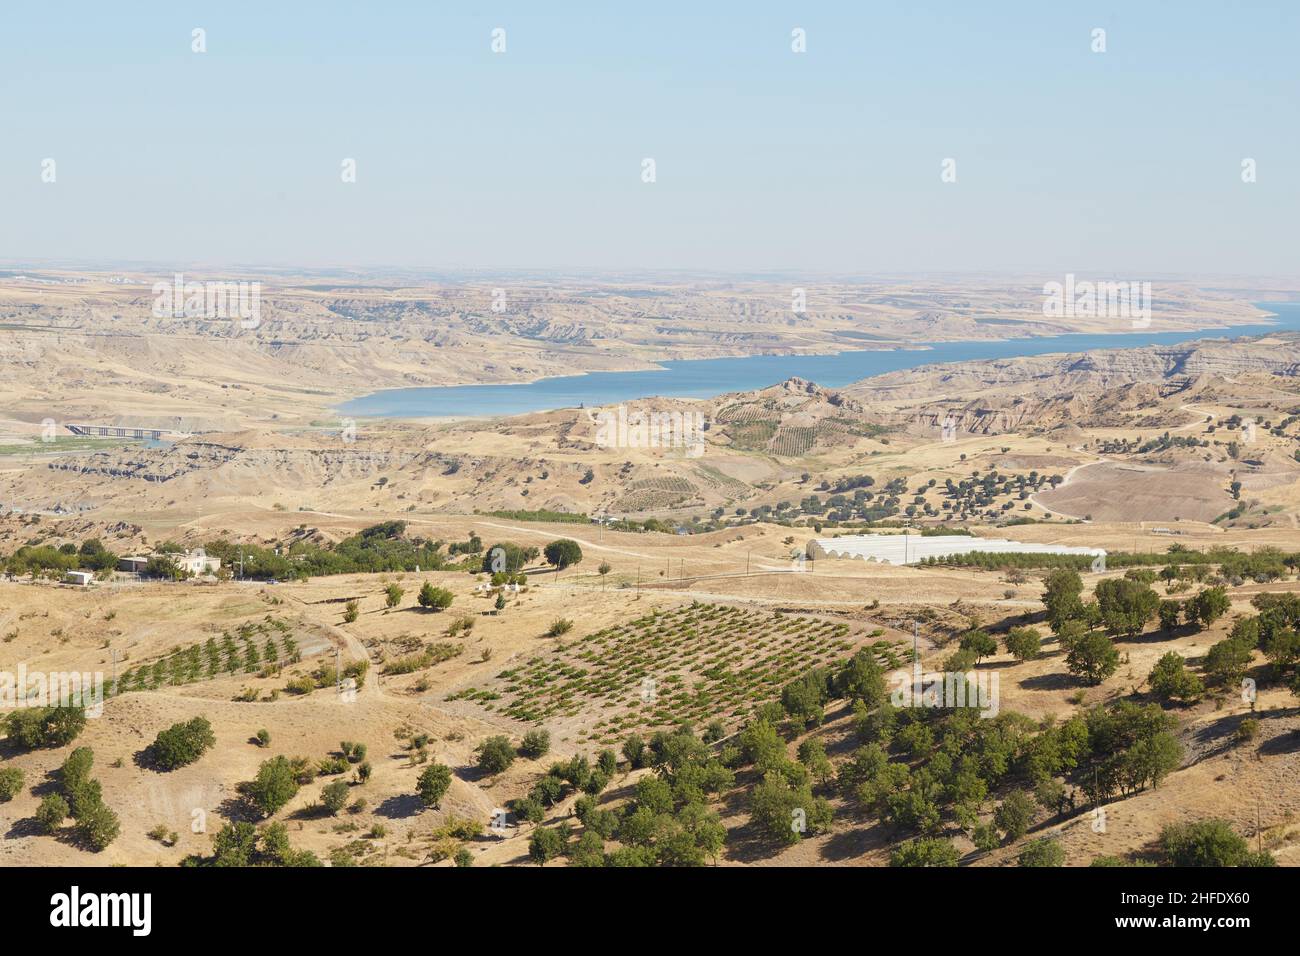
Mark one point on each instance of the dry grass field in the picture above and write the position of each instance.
(694, 607)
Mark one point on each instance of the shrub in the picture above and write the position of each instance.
(353, 752)
(1208, 843)
(924, 852)
(300, 685)
(183, 743)
(52, 812)
(330, 766)
(76, 769)
(334, 796)
(559, 627)
(434, 598)
(98, 826)
(11, 783)
(1247, 730)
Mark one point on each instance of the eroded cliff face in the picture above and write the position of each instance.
(1274, 355)
(1086, 389)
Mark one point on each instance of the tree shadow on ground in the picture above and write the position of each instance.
(25, 827)
(399, 806)
(145, 760)
(1052, 681)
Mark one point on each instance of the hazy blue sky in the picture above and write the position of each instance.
(1127, 161)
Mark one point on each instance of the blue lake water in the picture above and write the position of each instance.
(702, 378)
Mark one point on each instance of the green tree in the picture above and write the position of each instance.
(495, 755)
(1092, 658)
(535, 744)
(1023, 643)
(985, 837)
(33, 727)
(787, 812)
(1043, 852)
(1014, 814)
(861, 678)
(434, 782)
(805, 697)
(978, 642)
(1126, 605)
(1227, 660)
(635, 751)
(1061, 597)
(1282, 648)
(334, 796)
(1208, 843)
(506, 558)
(183, 743)
(545, 844)
(76, 769)
(924, 852)
(1208, 606)
(812, 754)
(393, 595)
(1171, 680)
(562, 553)
(274, 786)
(1169, 612)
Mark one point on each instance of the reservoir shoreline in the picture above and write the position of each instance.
(705, 378)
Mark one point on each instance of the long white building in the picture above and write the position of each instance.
(914, 548)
